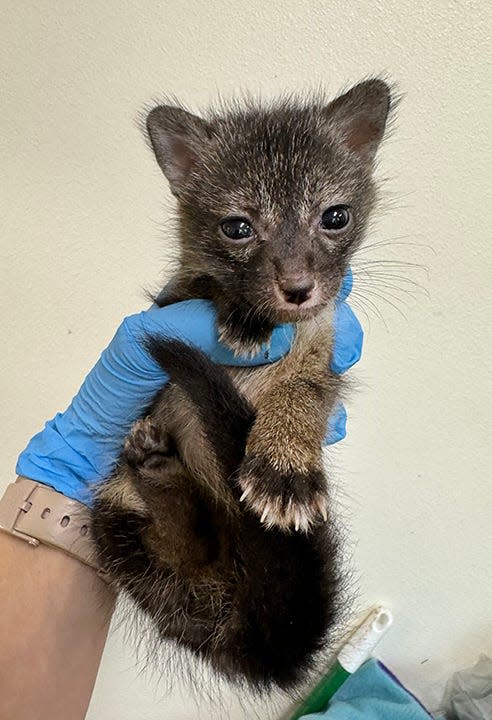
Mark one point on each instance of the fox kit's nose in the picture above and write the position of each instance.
(296, 290)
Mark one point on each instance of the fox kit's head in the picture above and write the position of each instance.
(273, 200)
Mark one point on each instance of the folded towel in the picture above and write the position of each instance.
(372, 693)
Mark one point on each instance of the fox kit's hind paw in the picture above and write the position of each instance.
(146, 444)
(289, 500)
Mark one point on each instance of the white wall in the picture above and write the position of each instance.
(83, 212)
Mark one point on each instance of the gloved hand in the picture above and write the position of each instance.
(83, 444)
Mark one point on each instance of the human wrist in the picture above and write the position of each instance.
(39, 515)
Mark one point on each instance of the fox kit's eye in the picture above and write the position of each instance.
(237, 229)
(336, 218)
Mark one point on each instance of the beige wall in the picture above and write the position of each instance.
(83, 212)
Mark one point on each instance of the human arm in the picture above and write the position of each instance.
(55, 616)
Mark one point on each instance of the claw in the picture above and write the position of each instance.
(246, 493)
(304, 524)
(321, 505)
(265, 513)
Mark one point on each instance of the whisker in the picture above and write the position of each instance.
(391, 263)
(386, 282)
(384, 298)
(397, 241)
(376, 272)
(361, 301)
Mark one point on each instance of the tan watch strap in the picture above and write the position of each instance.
(38, 514)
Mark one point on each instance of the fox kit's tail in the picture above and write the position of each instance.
(225, 414)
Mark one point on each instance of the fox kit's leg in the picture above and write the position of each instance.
(163, 541)
(183, 531)
(282, 477)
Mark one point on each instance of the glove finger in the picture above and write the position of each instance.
(278, 346)
(195, 322)
(337, 425)
(347, 284)
(347, 347)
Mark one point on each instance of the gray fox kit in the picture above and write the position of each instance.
(217, 521)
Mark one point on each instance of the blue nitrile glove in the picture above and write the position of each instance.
(347, 350)
(82, 445)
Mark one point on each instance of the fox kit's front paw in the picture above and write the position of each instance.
(289, 500)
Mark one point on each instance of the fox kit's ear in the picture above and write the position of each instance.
(176, 137)
(359, 117)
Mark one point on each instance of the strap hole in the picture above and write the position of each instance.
(45, 513)
(83, 530)
(64, 521)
